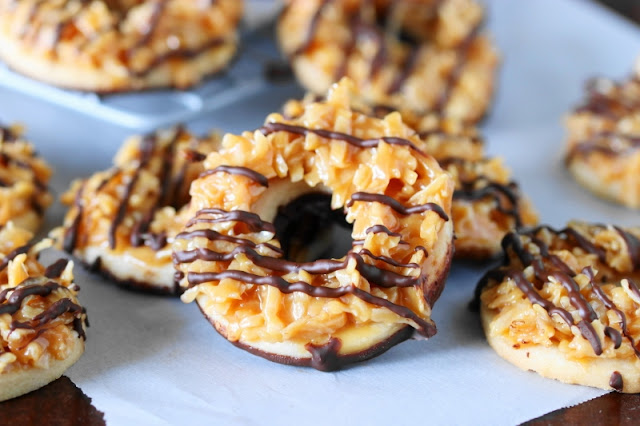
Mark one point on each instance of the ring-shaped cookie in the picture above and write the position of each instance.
(121, 221)
(603, 144)
(424, 55)
(566, 304)
(327, 312)
(118, 45)
(24, 176)
(42, 326)
(487, 203)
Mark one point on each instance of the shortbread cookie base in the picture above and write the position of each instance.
(128, 271)
(550, 362)
(78, 76)
(21, 381)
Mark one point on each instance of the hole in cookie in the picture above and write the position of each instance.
(309, 230)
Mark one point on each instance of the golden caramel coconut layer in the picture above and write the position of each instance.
(426, 55)
(603, 146)
(118, 45)
(122, 220)
(328, 312)
(24, 195)
(487, 204)
(565, 303)
(42, 327)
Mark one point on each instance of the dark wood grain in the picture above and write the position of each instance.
(628, 8)
(613, 408)
(60, 403)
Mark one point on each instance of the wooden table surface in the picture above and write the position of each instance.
(613, 408)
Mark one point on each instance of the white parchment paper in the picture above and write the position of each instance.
(154, 360)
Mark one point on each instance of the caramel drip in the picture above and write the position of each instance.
(397, 206)
(270, 128)
(242, 171)
(425, 328)
(563, 274)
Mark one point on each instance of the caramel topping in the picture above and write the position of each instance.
(548, 266)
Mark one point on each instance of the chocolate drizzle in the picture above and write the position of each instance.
(56, 269)
(145, 38)
(140, 233)
(375, 275)
(241, 171)
(471, 191)
(13, 254)
(548, 266)
(633, 246)
(603, 143)
(70, 237)
(381, 229)
(170, 194)
(8, 159)
(251, 220)
(396, 206)
(616, 381)
(454, 76)
(325, 357)
(186, 53)
(313, 26)
(425, 328)
(270, 128)
(7, 135)
(366, 26)
(11, 303)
